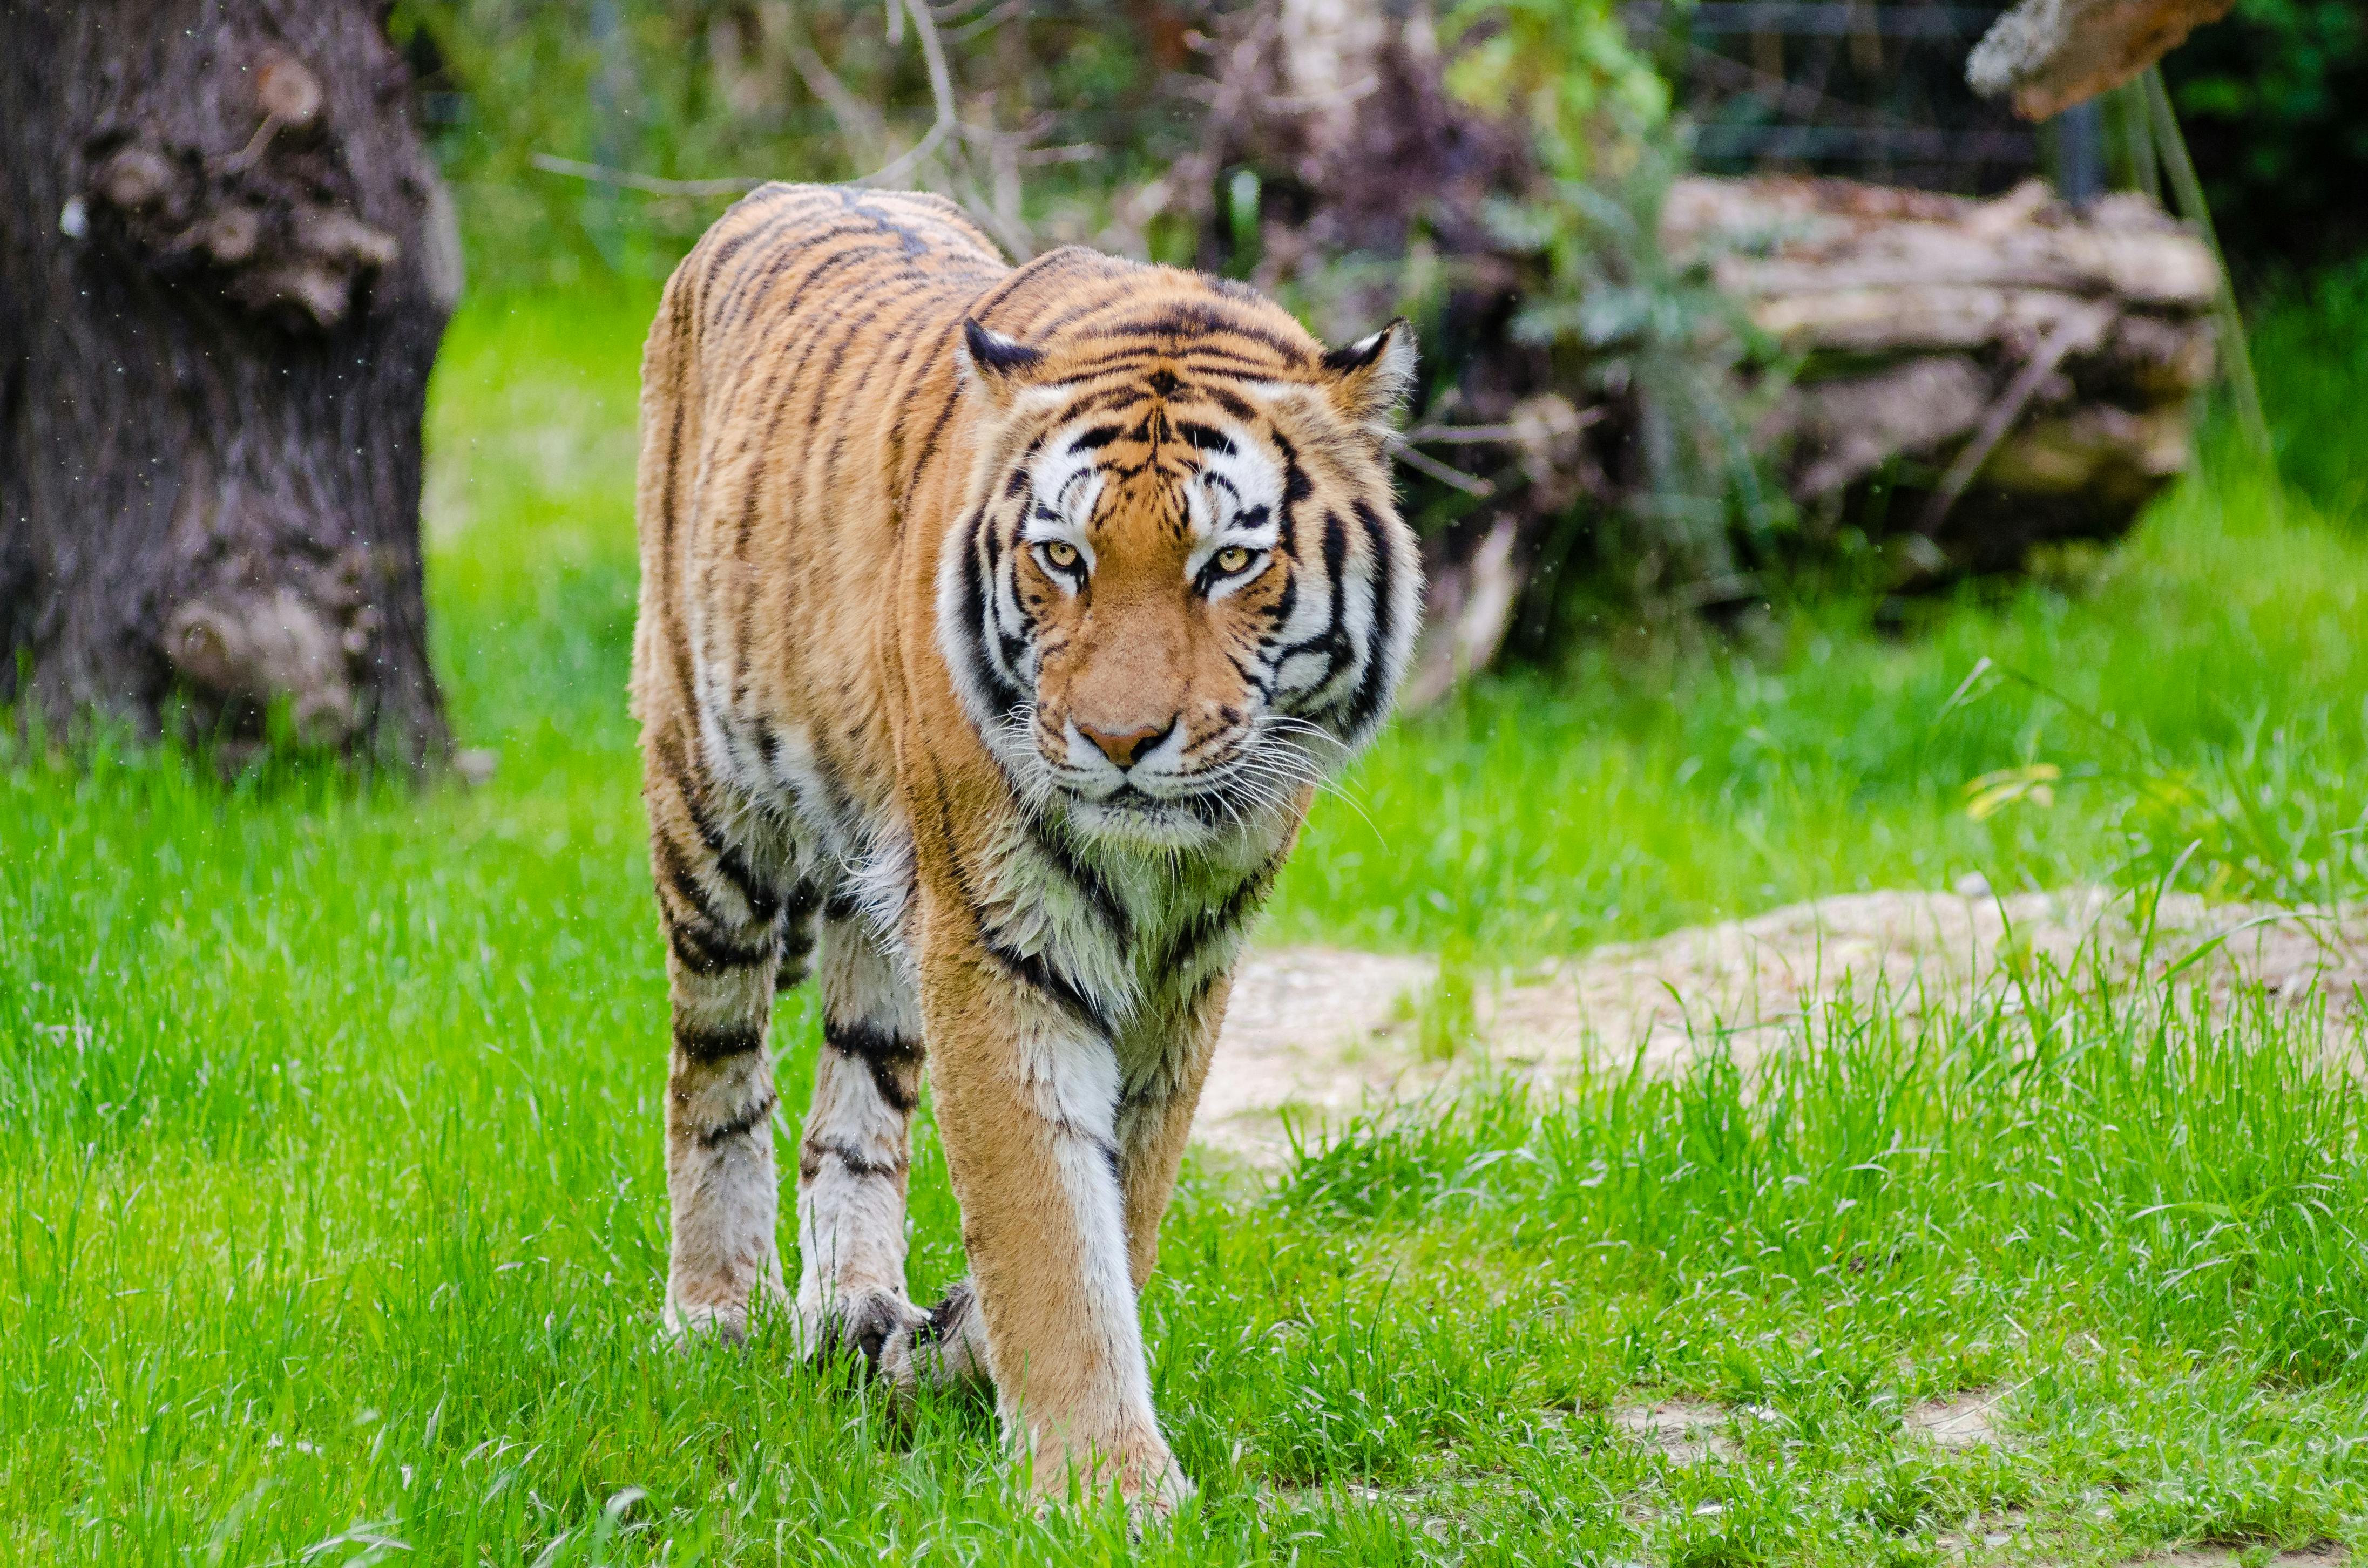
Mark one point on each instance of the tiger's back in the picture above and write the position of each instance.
(996, 624)
(802, 350)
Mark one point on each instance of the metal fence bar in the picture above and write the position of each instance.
(1814, 18)
(1863, 141)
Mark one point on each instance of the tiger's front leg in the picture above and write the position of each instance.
(1027, 1105)
(947, 1346)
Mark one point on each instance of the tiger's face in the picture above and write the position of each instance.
(1182, 594)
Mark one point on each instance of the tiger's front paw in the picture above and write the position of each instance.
(945, 1349)
(863, 1322)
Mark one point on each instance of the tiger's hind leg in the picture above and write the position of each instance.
(855, 1156)
(724, 924)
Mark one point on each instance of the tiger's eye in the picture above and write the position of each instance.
(1232, 559)
(1060, 553)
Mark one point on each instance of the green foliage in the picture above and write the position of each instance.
(2193, 1173)
(2270, 99)
(1644, 786)
(1635, 323)
(2311, 347)
(721, 89)
(1565, 68)
(1619, 318)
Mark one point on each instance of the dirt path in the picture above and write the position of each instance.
(1325, 1030)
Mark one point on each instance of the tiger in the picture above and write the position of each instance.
(996, 627)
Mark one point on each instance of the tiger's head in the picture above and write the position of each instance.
(1179, 592)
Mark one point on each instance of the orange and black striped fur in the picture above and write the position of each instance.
(996, 626)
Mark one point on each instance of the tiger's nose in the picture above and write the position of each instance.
(1125, 747)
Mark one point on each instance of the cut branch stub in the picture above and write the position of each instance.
(289, 93)
(2052, 54)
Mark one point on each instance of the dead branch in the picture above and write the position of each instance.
(600, 174)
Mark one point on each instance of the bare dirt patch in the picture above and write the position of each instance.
(2324, 1555)
(1751, 979)
(1967, 1421)
(1682, 1431)
(1326, 1030)
(1310, 1030)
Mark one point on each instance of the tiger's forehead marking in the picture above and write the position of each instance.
(1183, 465)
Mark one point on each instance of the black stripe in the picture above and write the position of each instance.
(1296, 488)
(797, 936)
(750, 284)
(1279, 612)
(1004, 695)
(1032, 969)
(1211, 925)
(1028, 968)
(1334, 638)
(784, 375)
(1195, 357)
(811, 1155)
(1115, 398)
(674, 873)
(711, 952)
(1335, 572)
(678, 395)
(1195, 321)
(763, 901)
(717, 1044)
(930, 447)
(1370, 695)
(885, 1053)
(1237, 406)
(746, 1122)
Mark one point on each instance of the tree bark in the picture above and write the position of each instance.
(225, 261)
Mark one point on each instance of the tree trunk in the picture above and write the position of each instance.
(225, 261)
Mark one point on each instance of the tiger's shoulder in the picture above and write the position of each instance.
(777, 229)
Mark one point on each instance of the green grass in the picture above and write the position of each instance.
(332, 1212)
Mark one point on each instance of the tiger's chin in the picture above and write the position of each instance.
(1216, 823)
(1128, 817)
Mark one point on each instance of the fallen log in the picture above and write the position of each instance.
(2005, 372)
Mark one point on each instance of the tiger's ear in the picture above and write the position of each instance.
(994, 364)
(1371, 378)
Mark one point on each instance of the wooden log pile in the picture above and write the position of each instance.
(1973, 377)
